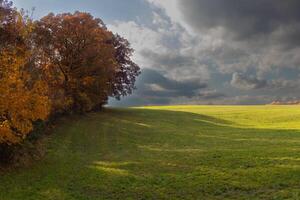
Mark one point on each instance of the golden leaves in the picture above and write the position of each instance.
(20, 105)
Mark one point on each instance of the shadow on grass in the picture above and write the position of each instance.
(154, 154)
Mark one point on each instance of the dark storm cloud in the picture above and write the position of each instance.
(211, 95)
(277, 89)
(151, 83)
(168, 60)
(153, 88)
(258, 36)
(178, 64)
(244, 18)
(242, 81)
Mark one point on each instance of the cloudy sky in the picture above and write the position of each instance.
(202, 51)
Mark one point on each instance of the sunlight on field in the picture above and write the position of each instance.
(283, 117)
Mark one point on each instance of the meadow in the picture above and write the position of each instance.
(166, 152)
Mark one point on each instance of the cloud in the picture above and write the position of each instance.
(211, 95)
(140, 38)
(151, 83)
(177, 65)
(282, 84)
(244, 19)
(247, 82)
(165, 46)
(242, 48)
(154, 88)
(266, 31)
(251, 82)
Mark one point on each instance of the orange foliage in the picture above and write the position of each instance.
(81, 59)
(19, 105)
(22, 99)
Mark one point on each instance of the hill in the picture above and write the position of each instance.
(170, 152)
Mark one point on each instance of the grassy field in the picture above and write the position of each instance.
(172, 152)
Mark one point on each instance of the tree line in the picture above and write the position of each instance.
(63, 63)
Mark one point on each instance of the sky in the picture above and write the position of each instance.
(201, 51)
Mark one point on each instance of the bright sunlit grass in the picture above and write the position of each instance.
(279, 116)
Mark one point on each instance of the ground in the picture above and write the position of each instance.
(171, 152)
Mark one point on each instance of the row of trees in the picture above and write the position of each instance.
(61, 63)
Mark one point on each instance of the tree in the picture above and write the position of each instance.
(127, 70)
(80, 58)
(22, 100)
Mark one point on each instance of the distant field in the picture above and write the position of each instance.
(170, 152)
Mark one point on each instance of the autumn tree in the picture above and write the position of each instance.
(80, 57)
(22, 100)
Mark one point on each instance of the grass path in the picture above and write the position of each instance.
(172, 152)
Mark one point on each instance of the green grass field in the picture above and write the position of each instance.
(171, 152)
